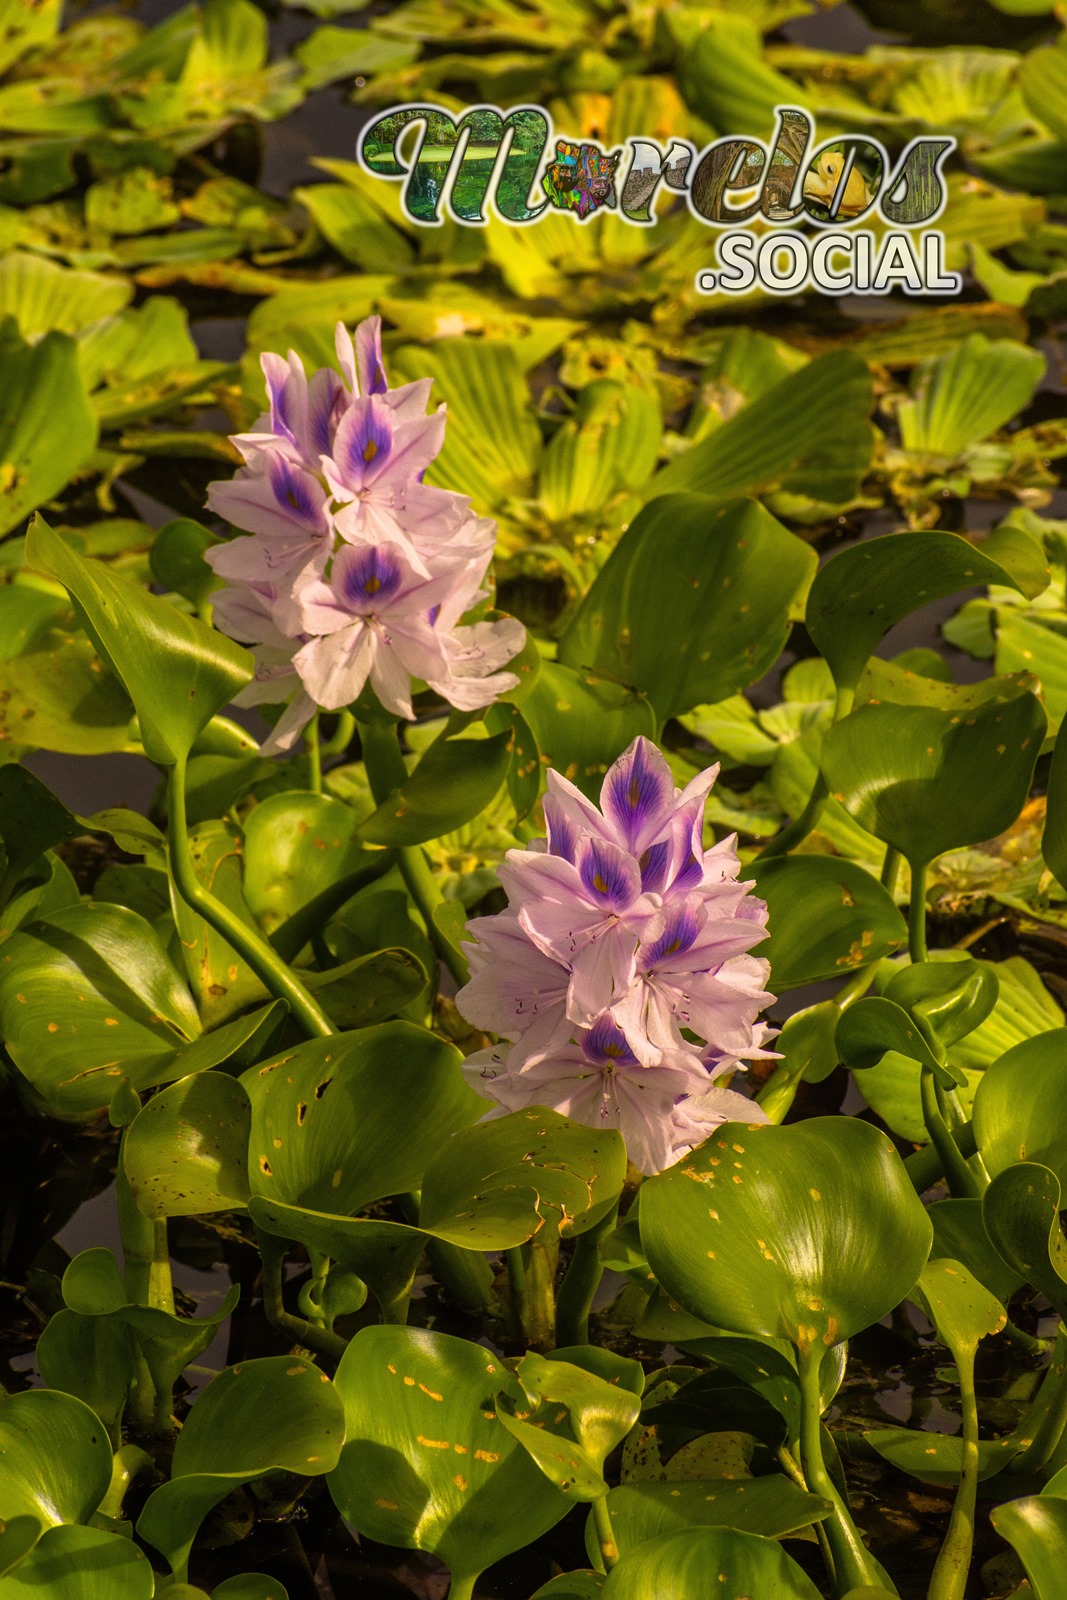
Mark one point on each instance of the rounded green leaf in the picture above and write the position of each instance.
(91, 1358)
(960, 1232)
(926, 781)
(582, 723)
(47, 431)
(275, 1414)
(960, 1307)
(1021, 1212)
(1019, 1112)
(1054, 840)
(427, 1464)
(572, 1586)
(693, 602)
(250, 1586)
(295, 846)
(31, 821)
(55, 1459)
(81, 1564)
(808, 1233)
(949, 999)
(718, 1561)
(186, 1151)
(872, 1026)
(18, 1535)
(770, 1507)
(177, 672)
(825, 918)
(454, 781)
(325, 1116)
(1036, 1528)
(860, 594)
(530, 1165)
(570, 1446)
(88, 996)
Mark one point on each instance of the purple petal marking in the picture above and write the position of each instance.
(561, 827)
(371, 579)
(679, 934)
(608, 873)
(654, 864)
(293, 491)
(369, 441)
(368, 343)
(636, 791)
(605, 1045)
(324, 391)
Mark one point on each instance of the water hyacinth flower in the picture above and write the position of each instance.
(349, 568)
(619, 978)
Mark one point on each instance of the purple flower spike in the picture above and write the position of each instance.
(621, 973)
(359, 570)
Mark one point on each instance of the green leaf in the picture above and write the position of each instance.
(582, 723)
(325, 1116)
(152, 647)
(1036, 1528)
(31, 821)
(808, 1233)
(274, 1414)
(863, 592)
(81, 1564)
(826, 917)
(1043, 81)
(769, 1507)
(875, 1025)
(959, 1232)
(250, 1586)
(177, 560)
(960, 1307)
(55, 1459)
(693, 602)
(88, 996)
(1018, 1106)
(571, 1448)
(676, 1566)
(927, 781)
(948, 999)
(572, 1586)
(810, 434)
(17, 1538)
(1021, 1212)
(962, 397)
(427, 1464)
(186, 1151)
(455, 780)
(1054, 840)
(529, 1165)
(54, 693)
(47, 432)
(329, 54)
(296, 845)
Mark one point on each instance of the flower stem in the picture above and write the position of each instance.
(264, 961)
(385, 772)
(953, 1565)
(298, 1329)
(890, 868)
(341, 737)
(797, 830)
(1042, 1426)
(854, 1568)
(462, 1586)
(961, 1179)
(581, 1281)
(311, 739)
(605, 1533)
(917, 912)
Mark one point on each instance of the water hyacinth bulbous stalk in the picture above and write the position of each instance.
(620, 976)
(353, 570)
